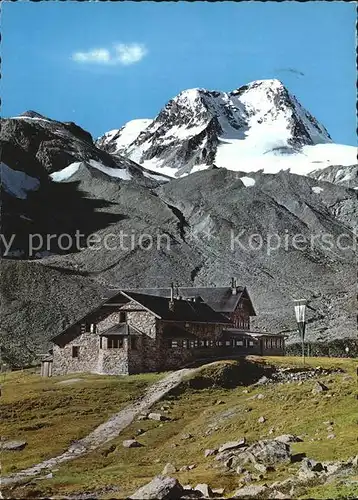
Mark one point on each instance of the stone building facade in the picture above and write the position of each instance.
(134, 332)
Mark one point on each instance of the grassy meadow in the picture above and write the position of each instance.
(49, 415)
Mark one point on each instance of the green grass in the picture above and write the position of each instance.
(337, 489)
(49, 416)
(288, 408)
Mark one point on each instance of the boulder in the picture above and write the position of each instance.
(334, 467)
(261, 420)
(331, 436)
(204, 489)
(288, 438)
(210, 452)
(278, 495)
(263, 468)
(319, 387)
(231, 445)
(186, 436)
(269, 452)
(157, 416)
(247, 477)
(218, 491)
(13, 445)
(160, 488)
(252, 491)
(131, 443)
(169, 469)
(309, 467)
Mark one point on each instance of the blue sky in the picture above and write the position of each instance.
(101, 64)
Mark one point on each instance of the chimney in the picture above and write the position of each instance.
(233, 286)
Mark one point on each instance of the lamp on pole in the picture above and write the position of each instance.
(300, 311)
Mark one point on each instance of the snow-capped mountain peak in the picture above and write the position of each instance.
(117, 140)
(257, 126)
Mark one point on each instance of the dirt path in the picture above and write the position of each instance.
(106, 431)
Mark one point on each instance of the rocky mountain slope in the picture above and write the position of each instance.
(37, 156)
(257, 126)
(197, 230)
(338, 174)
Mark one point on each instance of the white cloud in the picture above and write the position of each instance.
(124, 54)
(130, 53)
(99, 56)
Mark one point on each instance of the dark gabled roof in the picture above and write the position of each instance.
(184, 310)
(220, 299)
(120, 329)
(216, 300)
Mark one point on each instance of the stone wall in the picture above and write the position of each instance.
(146, 357)
(113, 361)
(112, 318)
(88, 349)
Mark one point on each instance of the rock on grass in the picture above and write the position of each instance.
(160, 488)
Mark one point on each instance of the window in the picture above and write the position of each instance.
(75, 351)
(251, 343)
(228, 343)
(202, 343)
(185, 344)
(133, 342)
(115, 342)
(88, 328)
(239, 343)
(174, 343)
(122, 317)
(101, 343)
